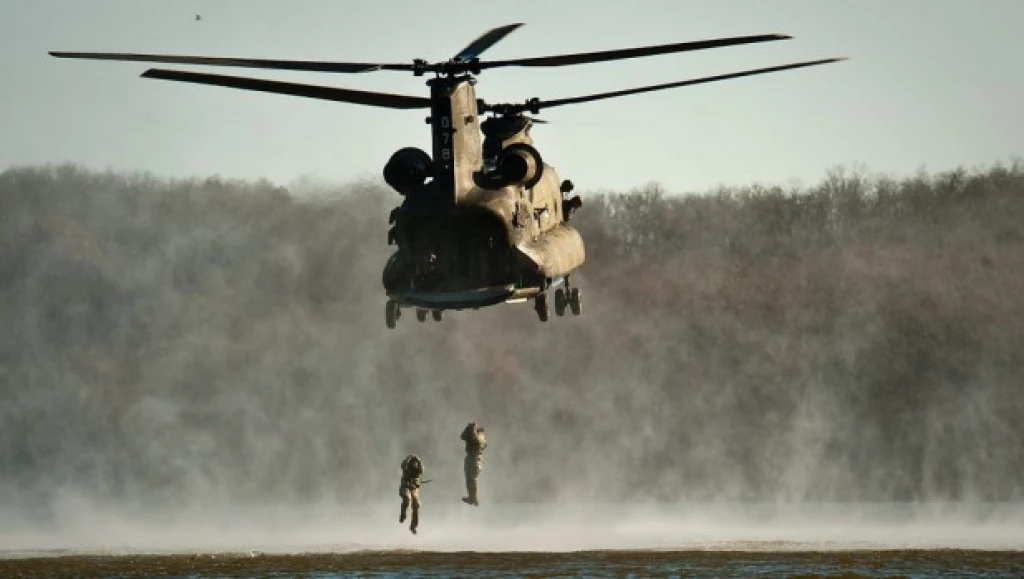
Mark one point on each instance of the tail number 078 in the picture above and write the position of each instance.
(446, 138)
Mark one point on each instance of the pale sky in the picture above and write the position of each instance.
(932, 83)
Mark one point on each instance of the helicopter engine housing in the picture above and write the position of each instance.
(520, 164)
(408, 170)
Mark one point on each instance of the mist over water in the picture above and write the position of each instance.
(332, 528)
(204, 364)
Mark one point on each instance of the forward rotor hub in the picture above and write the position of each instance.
(451, 67)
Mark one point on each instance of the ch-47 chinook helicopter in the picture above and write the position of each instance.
(483, 221)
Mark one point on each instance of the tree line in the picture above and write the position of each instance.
(219, 340)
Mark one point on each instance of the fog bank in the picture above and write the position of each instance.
(171, 346)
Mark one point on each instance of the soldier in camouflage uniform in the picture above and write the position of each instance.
(409, 490)
(476, 442)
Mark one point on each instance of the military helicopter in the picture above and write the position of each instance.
(483, 221)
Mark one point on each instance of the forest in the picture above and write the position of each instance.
(217, 341)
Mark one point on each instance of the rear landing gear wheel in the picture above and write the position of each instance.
(560, 302)
(574, 301)
(421, 314)
(391, 313)
(540, 303)
(437, 314)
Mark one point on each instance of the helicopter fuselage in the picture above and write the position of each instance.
(482, 221)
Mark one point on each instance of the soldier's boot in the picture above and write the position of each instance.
(405, 505)
(415, 521)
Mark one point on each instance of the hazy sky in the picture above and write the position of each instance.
(931, 83)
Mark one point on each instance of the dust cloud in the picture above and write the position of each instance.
(203, 363)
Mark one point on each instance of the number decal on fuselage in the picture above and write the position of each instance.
(446, 139)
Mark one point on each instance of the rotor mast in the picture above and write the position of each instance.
(454, 115)
(455, 129)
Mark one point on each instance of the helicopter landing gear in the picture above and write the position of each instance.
(560, 302)
(540, 303)
(574, 301)
(567, 297)
(391, 313)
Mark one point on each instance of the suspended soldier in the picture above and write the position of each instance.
(476, 442)
(409, 490)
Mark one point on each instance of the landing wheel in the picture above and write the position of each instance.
(540, 303)
(391, 313)
(437, 314)
(421, 314)
(574, 301)
(560, 302)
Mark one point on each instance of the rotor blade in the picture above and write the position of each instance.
(375, 99)
(486, 40)
(588, 57)
(306, 65)
(618, 93)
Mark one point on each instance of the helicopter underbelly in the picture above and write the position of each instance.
(474, 298)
